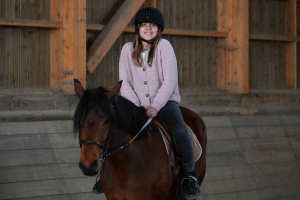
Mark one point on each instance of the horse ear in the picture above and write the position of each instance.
(114, 91)
(78, 88)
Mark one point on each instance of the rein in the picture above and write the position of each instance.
(105, 147)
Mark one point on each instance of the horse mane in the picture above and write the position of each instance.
(128, 117)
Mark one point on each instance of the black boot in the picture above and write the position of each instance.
(189, 186)
(98, 188)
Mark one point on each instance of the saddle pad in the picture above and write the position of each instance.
(195, 143)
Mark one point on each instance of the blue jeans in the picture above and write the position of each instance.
(171, 115)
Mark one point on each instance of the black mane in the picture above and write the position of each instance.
(128, 117)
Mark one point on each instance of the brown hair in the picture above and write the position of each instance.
(138, 49)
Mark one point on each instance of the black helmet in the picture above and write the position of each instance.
(151, 15)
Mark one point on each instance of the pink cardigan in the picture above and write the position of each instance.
(153, 85)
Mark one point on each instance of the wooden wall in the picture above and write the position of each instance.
(267, 58)
(196, 56)
(210, 39)
(24, 52)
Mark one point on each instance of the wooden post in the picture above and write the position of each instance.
(222, 49)
(238, 39)
(56, 46)
(291, 47)
(74, 43)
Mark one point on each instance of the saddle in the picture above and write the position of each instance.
(171, 147)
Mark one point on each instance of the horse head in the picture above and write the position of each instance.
(93, 121)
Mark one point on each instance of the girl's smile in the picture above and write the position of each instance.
(148, 31)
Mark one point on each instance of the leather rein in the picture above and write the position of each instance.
(105, 146)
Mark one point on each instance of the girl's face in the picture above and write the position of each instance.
(148, 31)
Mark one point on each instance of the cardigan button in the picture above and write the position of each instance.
(147, 95)
(144, 69)
(145, 82)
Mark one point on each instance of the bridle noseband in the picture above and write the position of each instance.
(91, 142)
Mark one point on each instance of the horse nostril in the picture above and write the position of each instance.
(82, 167)
(90, 170)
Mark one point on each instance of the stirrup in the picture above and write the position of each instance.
(97, 189)
(196, 182)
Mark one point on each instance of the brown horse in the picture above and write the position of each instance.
(133, 166)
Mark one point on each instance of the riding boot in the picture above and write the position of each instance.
(190, 187)
(98, 188)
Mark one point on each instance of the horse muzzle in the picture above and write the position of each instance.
(91, 170)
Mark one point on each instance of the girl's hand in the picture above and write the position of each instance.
(151, 112)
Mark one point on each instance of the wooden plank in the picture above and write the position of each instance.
(36, 127)
(267, 131)
(238, 59)
(222, 56)
(80, 72)
(179, 32)
(229, 185)
(221, 146)
(30, 23)
(274, 38)
(42, 141)
(150, 3)
(38, 157)
(14, 58)
(291, 16)
(111, 32)
(291, 47)
(56, 46)
(73, 46)
(40, 172)
(269, 156)
(217, 173)
(46, 187)
(262, 169)
(5, 43)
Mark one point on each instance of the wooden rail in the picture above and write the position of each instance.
(274, 38)
(30, 23)
(180, 32)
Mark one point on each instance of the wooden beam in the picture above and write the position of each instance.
(238, 38)
(150, 3)
(222, 56)
(274, 38)
(31, 23)
(291, 47)
(180, 32)
(74, 43)
(81, 71)
(56, 46)
(111, 32)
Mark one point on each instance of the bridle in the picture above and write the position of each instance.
(105, 146)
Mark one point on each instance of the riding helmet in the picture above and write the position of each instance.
(151, 15)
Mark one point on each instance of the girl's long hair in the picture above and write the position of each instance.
(138, 49)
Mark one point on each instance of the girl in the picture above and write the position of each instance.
(148, 68)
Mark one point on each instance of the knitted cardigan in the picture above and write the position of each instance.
(155, 85)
